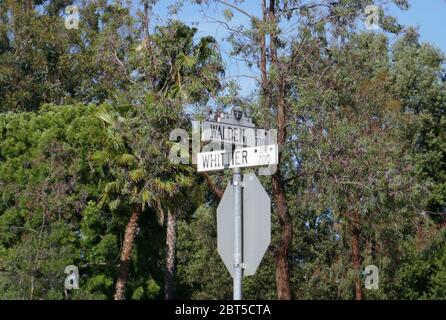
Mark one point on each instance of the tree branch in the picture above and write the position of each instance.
(215, 189)
(238, 9)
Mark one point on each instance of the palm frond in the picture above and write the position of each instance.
(164, 185)
(136, 175)
(111, 187)
(184, 181)
(160, 211)
(146, 197)
(100, 157)
(105, 116)
(102, 199)
(125, 159)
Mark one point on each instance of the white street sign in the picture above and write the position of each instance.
(228, 133)
(239, 158)
(236, 134)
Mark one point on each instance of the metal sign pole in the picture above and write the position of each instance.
(243, 220)
(238, 271)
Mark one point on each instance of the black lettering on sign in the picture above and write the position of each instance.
(226, 158)
(236, 135)
(245, 156)
(213, 160)
(216, 133)
(221, 134)
(237, 158)
(213, 132)
(227, 133)
(230, 134)
(205, 161)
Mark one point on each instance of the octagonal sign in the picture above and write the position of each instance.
(256, 220)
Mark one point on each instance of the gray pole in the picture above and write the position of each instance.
(238, 272)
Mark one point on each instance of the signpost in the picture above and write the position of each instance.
(244, 213)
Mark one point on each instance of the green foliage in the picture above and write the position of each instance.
(48, 215)
(200, 268)
(422, 272)
(43, 62)
(46, 181)
(363, 162)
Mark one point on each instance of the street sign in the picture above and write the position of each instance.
(221, 132)
(244, 212)
(228, 133)
(234, 128)
(256, 225)
(239, 158)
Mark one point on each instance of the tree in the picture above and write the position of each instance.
(46, 183)
(177, 70)
(142, 177)
(171, 70)
(43, 62)
(418, 82)
(263, 45)
(361, 126)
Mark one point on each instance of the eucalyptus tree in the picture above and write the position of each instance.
(356, 157)
(44, 62)
(418, 78)
(274, 36)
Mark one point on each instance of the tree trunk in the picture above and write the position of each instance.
(171, 242)
(286, 227)
(28, 5)
(124, 265)
(286, 235)
(147, 41)
(263, 68)
(215, 189)
(356, 255)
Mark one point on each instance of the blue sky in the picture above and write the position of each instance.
(429, 16)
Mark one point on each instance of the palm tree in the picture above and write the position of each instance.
(123, 168)
(147, 180)
(181, 71)
(177, 204)
(180, 68)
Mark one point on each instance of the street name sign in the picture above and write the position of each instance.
(228, 133)
(239, 158)
(239, 135)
